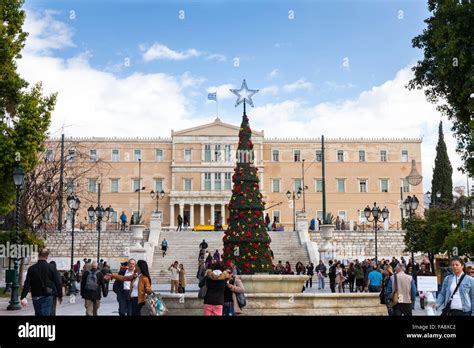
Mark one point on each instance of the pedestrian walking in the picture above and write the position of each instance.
(403, 290)
(122, 288)
(56, 292)
(359, 277)
(321, 273)
(351, 277)
(164, 246)
(182, 280)
(340, 279)
(374, 280)
(92, 288)
(215, 281)
(332, 276)
(310, 273)
(216, 257)
(42, 281)
(267, 222)
(234, 289)
(174, 280)
(123, 220)
(456, 297)
(180, 223)
(140, 285)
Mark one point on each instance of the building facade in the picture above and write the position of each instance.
(194, 168)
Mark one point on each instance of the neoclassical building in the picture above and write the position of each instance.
(194, 168)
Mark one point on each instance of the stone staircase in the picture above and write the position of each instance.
(184, 248)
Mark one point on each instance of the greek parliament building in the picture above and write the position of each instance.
(195, 166)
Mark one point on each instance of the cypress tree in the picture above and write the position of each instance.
(442, 174)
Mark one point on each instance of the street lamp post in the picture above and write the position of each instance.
(377, 214)
(294, 196)
(18, 178)
(101, 214)
(411, 204)
(74, 203)
(157, 195)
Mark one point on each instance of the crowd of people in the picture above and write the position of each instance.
(222, 290)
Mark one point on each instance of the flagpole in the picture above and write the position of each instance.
(217, 107)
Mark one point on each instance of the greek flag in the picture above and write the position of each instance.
(212, 96)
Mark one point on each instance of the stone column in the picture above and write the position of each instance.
(181, 210)
(223, 213)
(171, 214)
(212, 213)
(201, 216)
(191, 215)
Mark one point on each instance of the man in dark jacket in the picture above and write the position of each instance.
(122, 289)
(44, 284)
(92, 287)
(203, 245)
(332, 276)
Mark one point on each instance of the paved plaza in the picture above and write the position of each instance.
(109, 305)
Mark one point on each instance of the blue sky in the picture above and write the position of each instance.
(311, 46)
(135, 68)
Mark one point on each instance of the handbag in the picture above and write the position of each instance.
(241, 300)
(447, 308)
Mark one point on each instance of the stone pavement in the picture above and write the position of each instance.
(109, 305)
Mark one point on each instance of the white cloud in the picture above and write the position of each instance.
(223, 91)
(334, 86)
(300, 84)
(159, 51)
(270, 90)
(46, 33)
(274, 74)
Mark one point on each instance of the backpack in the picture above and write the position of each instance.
(91, 281)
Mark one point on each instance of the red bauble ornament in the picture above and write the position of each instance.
(242, 214)
(255, 245)
(249, 234)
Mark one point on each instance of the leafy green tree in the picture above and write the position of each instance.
(446, 72)
(460, 240)
(24, 113)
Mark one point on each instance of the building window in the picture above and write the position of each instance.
(383, 155)
(384, 185)
(228, 153)
(187, 185)
(361, 155)
(207, 153)
(71, 155)
(405, 185)
(135, 185)
(159, 155)
(298, 185)
(319, 185)
(115, 155)
(341, 185)
(217, 181)
(70, 185)
(158, 185)
(405, 156)
(93, 155)
(319, 155)
(187, 155)
(228, 181)
(92, 185)
(217, 153)
(363, 185)
(207, 181)
(297, 155)
(276, 155)
(113, 217)
(342, 215)
(340, 155)
(362, 218)
(275, 185)
(114, 185)
(276, 216)
(49, 155)
(137, 155)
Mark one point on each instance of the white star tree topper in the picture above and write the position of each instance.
(244, 94)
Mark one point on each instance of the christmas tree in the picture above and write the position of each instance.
(246, 241)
